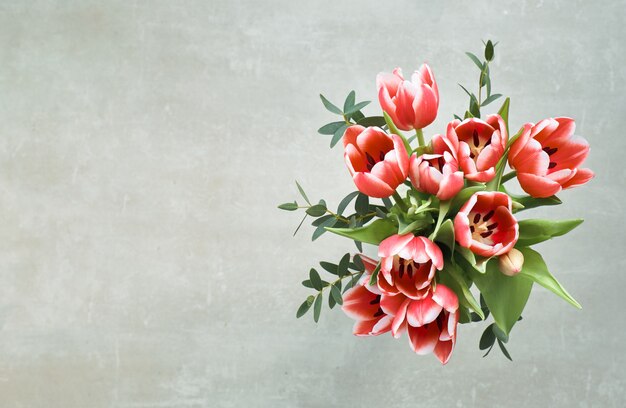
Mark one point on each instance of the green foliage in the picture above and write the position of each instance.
(372, 233)
(535, 231)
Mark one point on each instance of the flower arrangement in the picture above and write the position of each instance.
(443, 222)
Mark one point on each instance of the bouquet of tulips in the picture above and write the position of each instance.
(450, 248)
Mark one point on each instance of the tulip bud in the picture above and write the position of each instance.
(511, 263)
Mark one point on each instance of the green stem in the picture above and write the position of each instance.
(444, 206)
(400, 202)
(508, 176)
(420, 137)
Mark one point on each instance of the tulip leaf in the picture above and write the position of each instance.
(445, 234)
(535, 268)
(329, 106)
(504, 113)
(338, 135)
(305, 306)
(317, 307)
(330, 128)
(505, 296)
(372, 121)
(374, 276)
(462, 197)
(373, 233)
(535, 231)
(450, 276)
(350, 99)
(468, 257)
(475, 59)
(289, 206)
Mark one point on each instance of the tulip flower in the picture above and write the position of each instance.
(430, 322)
(410, 104)
(486, 225)
(511, 263)
(547, 157)
(408, 265)
(378, 162)
(479, 145)
(436, 174)
(364, 306)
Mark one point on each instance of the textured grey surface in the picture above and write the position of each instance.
(145, 146)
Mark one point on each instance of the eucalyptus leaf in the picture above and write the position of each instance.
(329, 106)
(302, 193)
(342, 268)
(317, 307)
(338, 135)
(372, 121)
(475, 59)
(490, 99)
(349, 103)
(504, 350)
(315, 279)
(317, 210)
(329, 267)
(335, 293)
(305, 306)
(321, 228)
(489, 51)
(345, 201)
(487, 339)
(357, 107)
(330, 128)
(289, 206)
(362, 205)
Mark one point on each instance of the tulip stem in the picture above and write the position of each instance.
(420, 137)
(400, 202)
(508, 176)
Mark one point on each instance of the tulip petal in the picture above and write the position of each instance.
(537, 186)
(421, 312)
(445, 297)
(372, 186)
(423, 339)
(443, 350)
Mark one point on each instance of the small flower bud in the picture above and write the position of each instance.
(511, 263)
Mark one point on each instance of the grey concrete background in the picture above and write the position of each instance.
(145, 146)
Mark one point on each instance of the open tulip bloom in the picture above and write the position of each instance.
(448, 245)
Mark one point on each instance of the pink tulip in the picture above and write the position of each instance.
(410, 104)
(364, 306)
(436, 174)
(378, 162)
(547, 157)
(486, 225)
(408, 265)
(430, 322)
(479, 145)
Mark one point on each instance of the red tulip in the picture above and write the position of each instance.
(547, 157)
(436, 174)
(480, 145)
(486, 225)
(410, 104)
(430, 322)
(408, 265)
(378, 162)
(364, 306)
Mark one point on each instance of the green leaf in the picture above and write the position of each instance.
(476, 60)
(331, 302)
(362, 205)
(505, 296)
(329, 267)
(358, 245)
(462, 197)
(490, 99)
(413, 226)
(357, 107)
(305, 306)
(502, 336)
(342, 268)
(531, 202)
(489, 51)
(317, 210)
(321, 228)
(478, 263)
(317, 307)
(474, 108)
(471, 95)
(373, 233)
(329, 106)
(372, 121)
(289, 206)
(504, 350)
(358, 263)
(535, 269)
(349, 101)
(330, 128)
(534, 231)
(504, 112)
(338, 135)
(336, 294)
(307, 284)
(445, 234)
(346, 200)
(451, 277)
(315, 279)
(487, 339)
(374, 276)
(302, 193)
